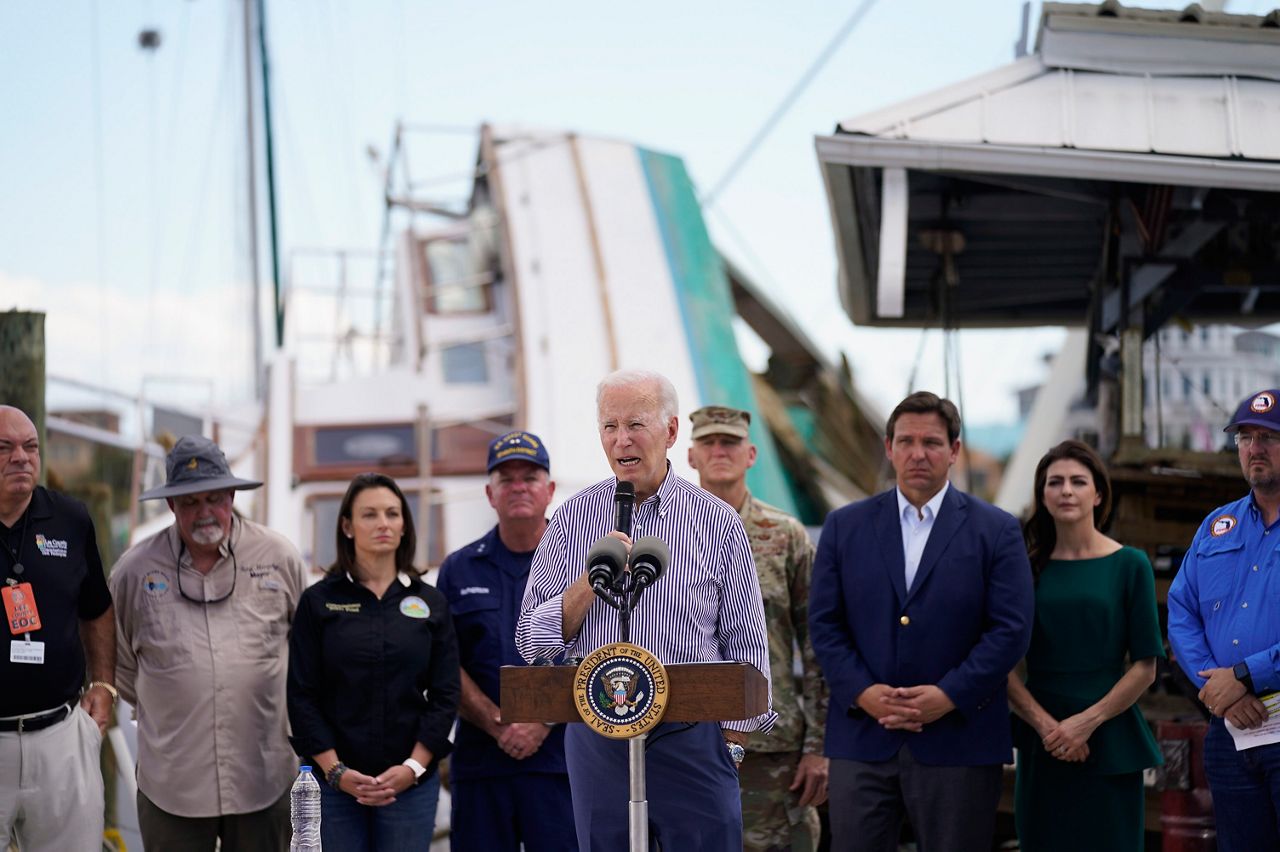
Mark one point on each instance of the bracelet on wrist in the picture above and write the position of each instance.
(111, 690)
(415, 767)
(334, 775)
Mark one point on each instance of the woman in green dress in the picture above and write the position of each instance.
(1082, 744)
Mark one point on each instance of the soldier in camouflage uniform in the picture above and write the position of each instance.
(784, 776)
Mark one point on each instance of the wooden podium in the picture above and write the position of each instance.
(700, 692)
(697, 692)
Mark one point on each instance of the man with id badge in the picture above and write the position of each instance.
(60, 628)
(203, 622)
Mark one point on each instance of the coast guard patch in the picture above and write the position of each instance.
(1222, 525)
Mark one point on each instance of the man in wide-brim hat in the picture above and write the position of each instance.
(202, 614)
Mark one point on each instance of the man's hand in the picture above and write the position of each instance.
(878, 702)
(928, 701)
(1247, 712)
(97, 703)
(1221, 689)
(522, 739)
(811, 779)
(1069, 740)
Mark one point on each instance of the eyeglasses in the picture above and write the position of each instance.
(235, 573)
(1266, 440)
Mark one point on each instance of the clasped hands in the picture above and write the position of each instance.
(376, 791)
(1226, 696)
(521, 739)
(904, 708)
(1068, 740)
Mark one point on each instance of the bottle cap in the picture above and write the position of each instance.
(305, 768)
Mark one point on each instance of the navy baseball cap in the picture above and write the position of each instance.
(1260, 409)
(519, 446)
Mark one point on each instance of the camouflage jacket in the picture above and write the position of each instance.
(784, 560)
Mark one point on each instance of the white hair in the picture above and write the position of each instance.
(668, 403)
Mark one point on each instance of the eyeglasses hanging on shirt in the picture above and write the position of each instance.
(235, 573)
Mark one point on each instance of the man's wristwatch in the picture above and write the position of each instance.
(1242, 674)
(736, 752)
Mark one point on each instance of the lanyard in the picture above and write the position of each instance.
(16, 555)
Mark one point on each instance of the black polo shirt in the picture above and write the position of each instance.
(55, 542)
(371, 677)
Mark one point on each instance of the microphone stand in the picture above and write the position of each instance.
(622, 595)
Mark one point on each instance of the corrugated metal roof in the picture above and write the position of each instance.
(1138, 147)
(1114, 79)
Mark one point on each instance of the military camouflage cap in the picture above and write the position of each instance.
(720, 420)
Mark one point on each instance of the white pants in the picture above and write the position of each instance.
(51, 786)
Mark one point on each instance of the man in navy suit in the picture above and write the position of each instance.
(921, 605)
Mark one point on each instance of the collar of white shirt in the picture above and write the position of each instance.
(930, 509)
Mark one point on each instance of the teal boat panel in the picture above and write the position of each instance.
(706, 308)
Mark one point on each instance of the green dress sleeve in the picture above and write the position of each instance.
(1145, 640)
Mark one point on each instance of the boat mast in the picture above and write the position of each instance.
(251, 175)
(277, 311)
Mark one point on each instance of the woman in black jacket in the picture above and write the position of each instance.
(373, 679)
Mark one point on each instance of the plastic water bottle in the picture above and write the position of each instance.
(304, 811)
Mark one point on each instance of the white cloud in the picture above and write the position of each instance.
(191, 347)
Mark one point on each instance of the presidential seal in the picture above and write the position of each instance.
(621, 690)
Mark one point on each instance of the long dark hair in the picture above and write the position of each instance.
(1039, 533)
(346, 551)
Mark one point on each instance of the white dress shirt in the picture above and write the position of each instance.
(916, 526)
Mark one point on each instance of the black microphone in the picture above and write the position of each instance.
(605, 561)
(649, 558)
(624, 498)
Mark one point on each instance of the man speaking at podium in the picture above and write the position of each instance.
(705, 608)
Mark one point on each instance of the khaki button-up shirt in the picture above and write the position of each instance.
(208, 679)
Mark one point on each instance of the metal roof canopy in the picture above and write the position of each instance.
(1133, 160)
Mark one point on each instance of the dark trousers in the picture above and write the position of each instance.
(1246, 792)
(267, 830)
(951, 808)
(499, 814)
(691, 783)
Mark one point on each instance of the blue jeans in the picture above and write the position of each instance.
(1246, 792)
(407, 823)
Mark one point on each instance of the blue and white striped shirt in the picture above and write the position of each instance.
(705, 608)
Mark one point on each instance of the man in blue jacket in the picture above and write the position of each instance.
(508, 780)
(1224, 626)
(920, 607)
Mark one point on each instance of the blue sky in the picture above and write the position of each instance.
(123, 168)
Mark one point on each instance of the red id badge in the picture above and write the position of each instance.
(20, 609)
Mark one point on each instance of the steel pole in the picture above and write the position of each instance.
(638, 807)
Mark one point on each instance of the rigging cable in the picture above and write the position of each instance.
(149, 43)
(198, 226)
(787, 102)
(171, 130)
(99, 192)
